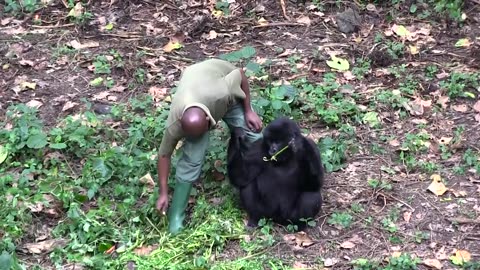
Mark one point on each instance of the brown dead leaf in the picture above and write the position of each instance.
(477, 117)
(212, 35)
(460, 108)
(101, 95)
(262, 21)
(43, 246)
(349, 75)
(144, 251)
(436, 186)
(434, 263)
(407, 215)
(147, 180)
(6, 21)
(287, 52)
(330, 262)
(24, 62)
(463, 255)
(458, 193)
(157, 93)
(347, 245)
(299, 239)
(442, 75)
(476, 107)
(174, 43)
(394, 143)
(305, 20)
(68, 105)
(118, 88)
(441, 254)
(445, 140)
(302, 239)
(299, 265)
(78, 46)
(443, 100)
(34, 104)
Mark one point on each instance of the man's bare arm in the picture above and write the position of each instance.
(163, 167)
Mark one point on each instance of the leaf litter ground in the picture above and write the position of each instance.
(380, 204)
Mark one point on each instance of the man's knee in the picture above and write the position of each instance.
(188, 171)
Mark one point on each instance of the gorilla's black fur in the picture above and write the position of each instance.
(285, 189)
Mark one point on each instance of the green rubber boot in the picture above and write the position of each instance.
(176, 213)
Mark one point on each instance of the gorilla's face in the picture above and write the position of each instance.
(279, 134)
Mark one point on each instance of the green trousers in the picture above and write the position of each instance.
(189, 166)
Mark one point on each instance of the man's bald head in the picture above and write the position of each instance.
(194, 122)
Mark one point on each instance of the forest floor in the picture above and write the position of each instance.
(84, 95)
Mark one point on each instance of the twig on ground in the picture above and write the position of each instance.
(125, 35)
(464, 220)
(284, 9)
(53, 26)
(279, 24)
(171, 57)
(398, 200)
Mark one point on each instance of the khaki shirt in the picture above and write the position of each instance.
(212, 85)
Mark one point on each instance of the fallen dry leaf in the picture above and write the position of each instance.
(305, 20)
(42, 246)
(445, 140)
(174, 43)
(443, 100)
(147, 180)
(77, 10)
(144, 251)
(394, 143)
(24, 62)
(434, 263)
(262, 21)
(299, 265)
(458, 193)
(157, 93)
(413, 49)
(462, 256)
(460, 108)
(78, 46)
(68, 105)
(34, 104)
(441, 254)
(101, 95)
(118, 88)
(347, 245)
(212, 35)
(476, 107)
(407, 215)
(477, 117)
(437, 187)
(299, 240)
(302, 239)
(330, 262)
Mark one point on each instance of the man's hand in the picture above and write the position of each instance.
(253, 121)
(162, 203)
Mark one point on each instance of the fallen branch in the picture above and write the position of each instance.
(464, 220)
(52, 26)
(284, 9)
(279, 24)
(397, 199)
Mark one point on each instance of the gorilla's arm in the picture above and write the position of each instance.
(314, 164)
(243, 165)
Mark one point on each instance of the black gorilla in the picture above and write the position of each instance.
(279, 176)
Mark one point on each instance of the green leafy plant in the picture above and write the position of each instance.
(342, 219)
